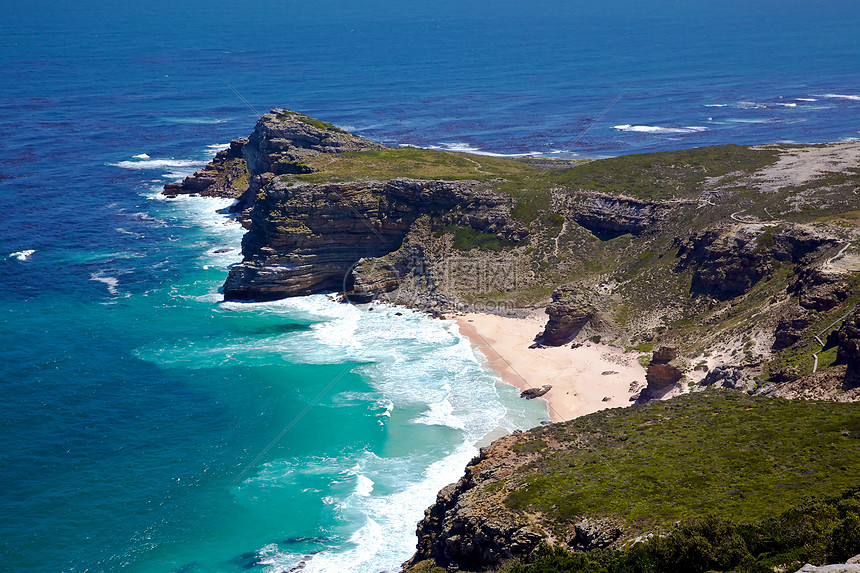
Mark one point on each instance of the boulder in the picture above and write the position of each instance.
(532, 393)
(571, 309)
(730, 377)
(664, 372)
(665, 369)
(594, 534)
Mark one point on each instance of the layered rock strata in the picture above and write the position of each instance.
(664, 372)
(309, 237)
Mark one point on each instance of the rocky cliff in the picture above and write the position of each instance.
(737, 256)
(225, 176)
(308, 237)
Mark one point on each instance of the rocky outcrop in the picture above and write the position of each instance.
(609, 216)
(663, 373)
(850, 567)
(532, 393)
(824, 385)
(820, 290)
(469, 526)
(592, 534)
(731, 378)
(311, 237)
(225, 176)
(728, 260)
(283, 141)
(849, 350)
(791, 327)
(571, 309)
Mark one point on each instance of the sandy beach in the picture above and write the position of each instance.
(584, 380)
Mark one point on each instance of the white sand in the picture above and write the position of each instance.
(576, 375)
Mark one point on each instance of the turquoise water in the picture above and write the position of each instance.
(146, 426)
(188, 434)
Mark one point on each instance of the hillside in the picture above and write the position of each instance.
(736, 255)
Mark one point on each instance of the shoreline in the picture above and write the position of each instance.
(586, 379)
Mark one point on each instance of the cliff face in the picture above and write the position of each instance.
(307, 238)
(469, 525)
(608, 216)
(729, 260)
(283, 141)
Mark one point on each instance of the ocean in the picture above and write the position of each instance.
(146, 425)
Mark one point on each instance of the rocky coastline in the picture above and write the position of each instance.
(728, 267)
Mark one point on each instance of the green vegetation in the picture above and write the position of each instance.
(663, 175)
(816, 531)
(285, 115)
(415, 163)
(241, 182)
(467, 238)
(716, 452)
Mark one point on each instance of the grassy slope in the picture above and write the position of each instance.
(723, 453)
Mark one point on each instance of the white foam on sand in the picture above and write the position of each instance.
(22, 255)
(659, 129)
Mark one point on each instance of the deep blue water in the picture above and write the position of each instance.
(138, 412)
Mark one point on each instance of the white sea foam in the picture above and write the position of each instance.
(716, 104)
(440, 414)
(462, 147)
(363, 486)
(140, 156)
(109, 281)
(156, 163)
(22, 255)
(849, 97)
(659, 129)
(385, 537)
(745, 120)
(805, 99)
(410, 362)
